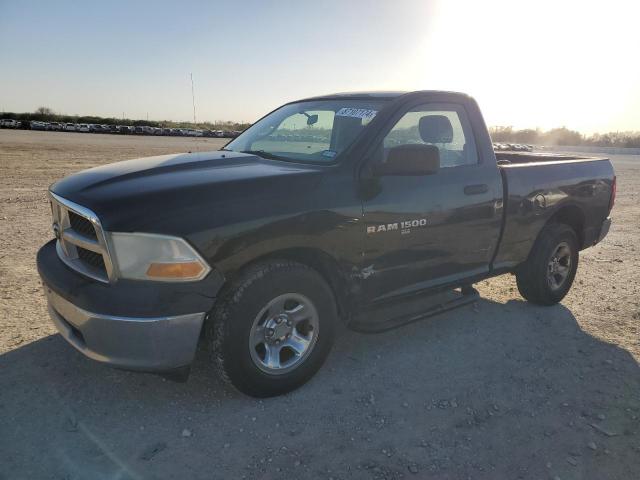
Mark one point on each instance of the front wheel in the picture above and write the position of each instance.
(273, 328)
(547, 275)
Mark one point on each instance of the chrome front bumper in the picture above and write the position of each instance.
(148, 344)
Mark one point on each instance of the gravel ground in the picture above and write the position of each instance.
(501, 389)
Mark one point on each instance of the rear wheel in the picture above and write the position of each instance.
(273, 328)
(547, 275)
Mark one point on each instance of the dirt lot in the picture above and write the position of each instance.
(502, 389)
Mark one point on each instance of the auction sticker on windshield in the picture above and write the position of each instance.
(363, 113)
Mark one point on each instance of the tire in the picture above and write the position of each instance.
(262, 295)
(539, 281)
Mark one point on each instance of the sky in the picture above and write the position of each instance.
(542, 63)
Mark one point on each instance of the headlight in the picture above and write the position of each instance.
(145, 256)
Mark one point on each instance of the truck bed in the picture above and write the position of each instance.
(519, 158)
(537, 184)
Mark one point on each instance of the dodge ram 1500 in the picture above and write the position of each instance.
(357, 208)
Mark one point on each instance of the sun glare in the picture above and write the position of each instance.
(542, 64)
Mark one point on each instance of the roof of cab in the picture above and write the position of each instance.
(382, 95)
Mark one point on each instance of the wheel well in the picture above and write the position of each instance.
(321, 262)
(574, 217)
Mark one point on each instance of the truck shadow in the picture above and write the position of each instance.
(494, 391)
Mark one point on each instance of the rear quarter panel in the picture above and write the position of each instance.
(585, 184)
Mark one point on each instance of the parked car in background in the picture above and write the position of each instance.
(37, 125)
(124, 129)
(10, 123)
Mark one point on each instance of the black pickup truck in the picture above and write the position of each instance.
(366, 209)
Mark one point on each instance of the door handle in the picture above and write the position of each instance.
(476, 189)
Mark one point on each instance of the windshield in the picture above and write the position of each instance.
(314, 131)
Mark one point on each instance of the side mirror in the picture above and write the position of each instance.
(407, 160)
(312, 119)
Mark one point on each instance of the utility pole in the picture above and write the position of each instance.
(193, 99)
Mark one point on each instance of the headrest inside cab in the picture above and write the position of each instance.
(435, 129)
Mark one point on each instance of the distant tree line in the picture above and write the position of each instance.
(564, 136)
(45, 114)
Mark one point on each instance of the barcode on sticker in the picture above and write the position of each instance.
(363, 113)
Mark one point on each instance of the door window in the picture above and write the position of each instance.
(443, 126)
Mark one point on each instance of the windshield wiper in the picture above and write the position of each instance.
(263, 154)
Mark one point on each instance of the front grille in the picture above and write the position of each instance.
(92, 259)
(82, 225)
(81, 242)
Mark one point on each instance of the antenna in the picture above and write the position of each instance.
(193, 99)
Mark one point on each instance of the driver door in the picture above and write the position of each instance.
(426, 230)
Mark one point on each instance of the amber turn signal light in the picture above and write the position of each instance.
(175, 270)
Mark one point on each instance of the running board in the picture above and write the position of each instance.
(402, 312)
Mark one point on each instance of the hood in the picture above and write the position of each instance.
(145, 189)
